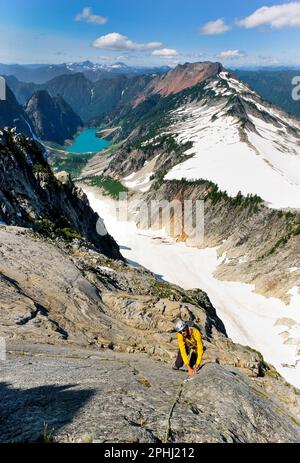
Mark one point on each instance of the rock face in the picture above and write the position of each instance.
(31, 196)
(72, 296)
(91, 338)
(13, 115)
(94, 100)
(52, 118)
(182, 77)
(87, 396)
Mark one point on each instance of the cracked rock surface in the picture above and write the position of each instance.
(85, 396)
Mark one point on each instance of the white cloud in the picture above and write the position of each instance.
(230, 54)
(87, 16)
(116, 41)
(277, 16)
(215, 27)
(165, 52)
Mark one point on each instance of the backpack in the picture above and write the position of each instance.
(192, 324)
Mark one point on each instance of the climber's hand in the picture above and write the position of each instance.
(191, 371)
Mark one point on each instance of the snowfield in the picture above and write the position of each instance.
(265, 324)
(264, 160)
(141, 180)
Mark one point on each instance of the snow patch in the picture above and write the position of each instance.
(293, 269)
(265, 162)
(250, 319)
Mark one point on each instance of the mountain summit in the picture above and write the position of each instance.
(181, 77)
(232, 136)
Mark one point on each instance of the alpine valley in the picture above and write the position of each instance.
(87, 315)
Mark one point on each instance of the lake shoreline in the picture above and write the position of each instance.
(86, 141)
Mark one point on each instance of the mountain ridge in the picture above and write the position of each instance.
(52, 118)
(32, 196)
(73, 305)
(40, 74)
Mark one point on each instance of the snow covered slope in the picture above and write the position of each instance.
(240, 142)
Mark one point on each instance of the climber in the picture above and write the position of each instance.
(190, 347)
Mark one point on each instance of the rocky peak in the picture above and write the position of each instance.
(180, 78)
(185, 76)
(52, 118)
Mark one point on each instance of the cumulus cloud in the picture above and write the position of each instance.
(116, 41)
(87, 16)
(230, 54)
(165, 52)
(215, 27)
(277, 16)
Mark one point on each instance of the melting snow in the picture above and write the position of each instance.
(265, 162)
(265, 324)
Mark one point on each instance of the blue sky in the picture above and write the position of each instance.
(150, 32)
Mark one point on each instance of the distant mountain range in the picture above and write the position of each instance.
(40, 74)
(273, 85)
(90, 100)
(94, 90)
(237, 139)
(97, 91)
(42, 118)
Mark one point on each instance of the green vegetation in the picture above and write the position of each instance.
(45, 172)
(54, 146)
(144, 381)
(256, 352)
(68, 233)
(243, 121)
(110, 186)
(166, 142)
(49, 228)
(71, 163)
(112, 149)
(88, 439)
(75, 163)
(154, 112)
(215, 195)
(40, 169)
(259, 393)
(283, 412)
(163, 290)
(293, 229)
(46, 437)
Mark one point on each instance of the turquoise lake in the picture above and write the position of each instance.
(87, 142)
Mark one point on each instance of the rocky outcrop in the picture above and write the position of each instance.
(75, 395)
(259, 245)
(68, 295)
(52, 118)
(32, 196)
